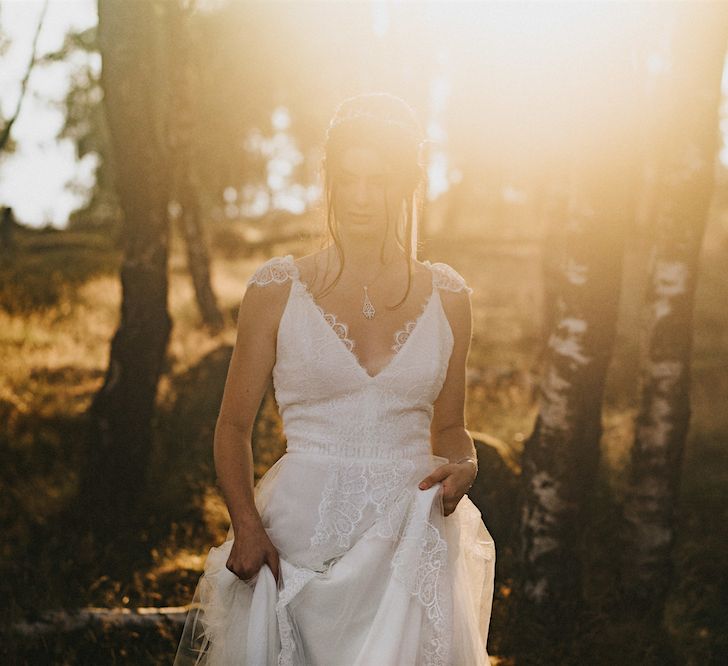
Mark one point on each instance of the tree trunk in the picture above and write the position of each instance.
(185, 188)
(7, 231)
(553, 200)
(687, 138)
(136, 105)
(561, 457)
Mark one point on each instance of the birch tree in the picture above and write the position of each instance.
(686, 141)
(597, 199)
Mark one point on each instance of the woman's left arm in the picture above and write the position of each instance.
(448, 435)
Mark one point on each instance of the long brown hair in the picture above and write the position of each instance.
(387, 124)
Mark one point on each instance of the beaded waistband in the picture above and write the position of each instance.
(360, 450)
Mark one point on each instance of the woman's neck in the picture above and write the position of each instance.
(365, 256)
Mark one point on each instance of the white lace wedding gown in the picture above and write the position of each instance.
(372, 573)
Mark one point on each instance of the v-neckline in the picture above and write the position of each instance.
(411, 324)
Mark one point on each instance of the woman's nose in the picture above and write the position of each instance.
(361, 193)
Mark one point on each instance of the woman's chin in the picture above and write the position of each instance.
(363, 230)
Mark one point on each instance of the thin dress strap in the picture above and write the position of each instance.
(277, 269)
(446, 277)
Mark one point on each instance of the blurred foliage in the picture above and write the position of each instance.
(48, 265)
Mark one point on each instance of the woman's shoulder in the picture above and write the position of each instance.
(276, 270)
(446, 277)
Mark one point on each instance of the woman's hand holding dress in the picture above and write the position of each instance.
(455, 478)
(250, 551)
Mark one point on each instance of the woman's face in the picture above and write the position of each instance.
(365, 189)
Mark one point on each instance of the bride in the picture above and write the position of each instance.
(359, 546)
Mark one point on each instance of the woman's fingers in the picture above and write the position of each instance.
(449, 500)
(436, 475)
(241, 572)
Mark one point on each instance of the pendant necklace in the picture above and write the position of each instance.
(368, 307)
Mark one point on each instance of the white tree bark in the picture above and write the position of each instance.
(686, 143)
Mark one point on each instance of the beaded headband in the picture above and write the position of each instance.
(361, 113)
(356, 114)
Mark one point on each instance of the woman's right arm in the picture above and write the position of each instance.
(248, 376)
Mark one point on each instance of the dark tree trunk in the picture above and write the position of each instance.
(561, 456)
(687, 141)
(7, 231)
(136, 105)
(198, 260)
(184, 73)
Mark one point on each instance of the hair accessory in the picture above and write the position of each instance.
(355, 114)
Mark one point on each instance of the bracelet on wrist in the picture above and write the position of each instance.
(468, 459)
(475, 463)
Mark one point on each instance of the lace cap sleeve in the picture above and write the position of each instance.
(446, 277)
(276, 269)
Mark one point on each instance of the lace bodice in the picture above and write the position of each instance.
(281, 269)
(325, 396)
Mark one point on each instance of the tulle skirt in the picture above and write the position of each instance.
(372, 573)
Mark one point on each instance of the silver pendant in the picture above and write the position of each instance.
(368, 309)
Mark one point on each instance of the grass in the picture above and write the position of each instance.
(58, 310)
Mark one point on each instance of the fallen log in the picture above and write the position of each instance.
(65, 621)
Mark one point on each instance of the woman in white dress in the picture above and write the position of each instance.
(359, 546)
